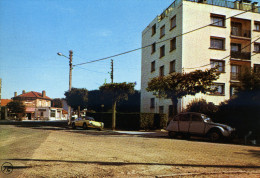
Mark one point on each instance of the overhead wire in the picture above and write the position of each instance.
(126, 52)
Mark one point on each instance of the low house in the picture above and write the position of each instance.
(38, 106)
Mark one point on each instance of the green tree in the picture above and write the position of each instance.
(177, 85)
(77, 97)
(118, 91)
(202, 106)
(16, 107)
(242, 110)
(100, 102)
(57, 102)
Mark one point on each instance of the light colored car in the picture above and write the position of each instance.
(191, 123)
(87, 122)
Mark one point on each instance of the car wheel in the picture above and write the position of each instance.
(215, 136)
(172, 134)
(73, 126)
(85, 126)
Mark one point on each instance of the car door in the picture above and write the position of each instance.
(184, 122)
(197, 125)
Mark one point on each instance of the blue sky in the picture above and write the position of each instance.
(32, 32)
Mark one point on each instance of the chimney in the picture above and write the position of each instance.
(23, 91)
(15, 94)
(43, 93)
(255, 6)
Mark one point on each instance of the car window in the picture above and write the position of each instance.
(184, 117)
(196, 118)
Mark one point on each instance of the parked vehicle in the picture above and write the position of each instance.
(191, 123)
(87, 122)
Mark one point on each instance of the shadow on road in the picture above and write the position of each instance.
(138, 163)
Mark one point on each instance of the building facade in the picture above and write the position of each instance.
(200, 34)
(38, 106)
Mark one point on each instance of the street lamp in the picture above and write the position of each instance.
(70, 78)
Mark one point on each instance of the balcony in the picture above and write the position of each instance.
(240, 33)
(241, 55)
(234, 76)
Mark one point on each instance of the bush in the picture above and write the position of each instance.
(146, 121)
(202, 106)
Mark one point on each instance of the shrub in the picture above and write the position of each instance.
(202, 106)
(146, 120)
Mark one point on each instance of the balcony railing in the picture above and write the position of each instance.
(241, 55)
(241, 33)
(234, 75)
(228, 4)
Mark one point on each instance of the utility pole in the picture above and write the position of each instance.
(70, 80)
(112, 71)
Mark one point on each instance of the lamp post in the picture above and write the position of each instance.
(70, 78)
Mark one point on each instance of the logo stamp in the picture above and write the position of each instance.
(7, 168)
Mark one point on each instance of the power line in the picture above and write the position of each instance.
(91, 70)
(161, 41)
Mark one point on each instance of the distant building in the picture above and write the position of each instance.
(38, 106)
(228, 43)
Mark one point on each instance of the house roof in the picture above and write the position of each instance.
(4, 102)
(32, 95)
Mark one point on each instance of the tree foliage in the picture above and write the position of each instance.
(177, 85)
(100, 102)
(57, 102)
(118, 92)
(77, 97)
(242, 111)
(16, 107)
(202, 106)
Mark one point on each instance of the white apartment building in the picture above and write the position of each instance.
(231, 43)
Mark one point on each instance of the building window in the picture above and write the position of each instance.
(257, 68)
(257, 47)
(235, 72)
(153, 48)
(161, 109)
(153, 66)
(172, 66)
(233, 90)
(153, 29)
(161, 74)
(235, 47)
(220, 88)
(173, 22)
(152, 103)
(219, 64)
(217, 20)
(257, 26)
(173, 44)
(217, 43)
(162, 51)
(162, 31)
(53, 113)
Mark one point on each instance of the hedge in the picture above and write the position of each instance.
(132, 121)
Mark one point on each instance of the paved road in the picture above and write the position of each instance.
(61, 152)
